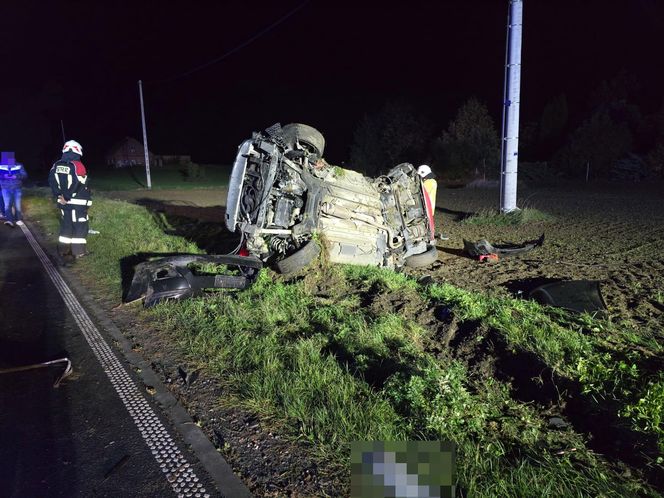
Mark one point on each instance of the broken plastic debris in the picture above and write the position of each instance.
(483, 247)
(573, 295)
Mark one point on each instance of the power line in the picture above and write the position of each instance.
(235, 49)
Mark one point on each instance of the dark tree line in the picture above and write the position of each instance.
(399, 132)
(610, 133)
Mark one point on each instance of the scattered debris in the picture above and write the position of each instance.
(426, 280)
(443, 313)
(557, 423)
(484, 248)
(169, 278)
(188, 377)
(573, 295)
(68, 369)
(119, 464)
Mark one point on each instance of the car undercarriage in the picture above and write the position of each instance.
(282, 195)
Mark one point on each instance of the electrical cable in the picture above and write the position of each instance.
(235, 49)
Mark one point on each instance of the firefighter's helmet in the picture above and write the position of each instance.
(74, 146)
(424, 170)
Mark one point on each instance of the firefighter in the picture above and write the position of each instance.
(68, 180)
(430, 184)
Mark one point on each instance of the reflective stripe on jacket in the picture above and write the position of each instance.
(12, 175)
(80, 202)
(69, 179)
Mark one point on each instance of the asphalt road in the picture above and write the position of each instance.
(77, 440)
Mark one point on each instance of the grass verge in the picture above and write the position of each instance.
(354, 353)
(520, 217)
(125, 230)
(162, 177)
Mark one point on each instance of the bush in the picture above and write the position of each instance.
(599, 141)
(194, 172)
(470, 146)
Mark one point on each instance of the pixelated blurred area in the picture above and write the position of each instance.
(400, 469)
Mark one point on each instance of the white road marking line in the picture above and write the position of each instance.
(178, 471)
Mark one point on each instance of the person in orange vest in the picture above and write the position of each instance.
(429, 182)
(430, 188)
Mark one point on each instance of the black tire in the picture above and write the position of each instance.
(307, 135)
(427, 258)
(299, 259)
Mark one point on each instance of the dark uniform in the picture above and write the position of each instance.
(12, 176)
(68, 180)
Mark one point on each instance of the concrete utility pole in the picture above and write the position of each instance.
(509, 160)
(145, 137)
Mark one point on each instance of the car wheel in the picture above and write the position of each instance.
(300, 258)
(308, 136)
(428, 257)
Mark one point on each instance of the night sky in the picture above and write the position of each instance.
(327, 64)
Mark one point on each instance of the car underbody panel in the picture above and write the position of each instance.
(581, 296)
(351, 220)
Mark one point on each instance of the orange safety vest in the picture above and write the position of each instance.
(431, 186)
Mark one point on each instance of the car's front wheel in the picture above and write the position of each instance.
(300, 258)
(427, 258)
(305, 135)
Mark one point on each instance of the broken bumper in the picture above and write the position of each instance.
(484, 247)
(170, 277)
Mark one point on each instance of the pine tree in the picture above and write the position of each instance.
(470, 145)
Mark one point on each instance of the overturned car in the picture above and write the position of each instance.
(282, 195)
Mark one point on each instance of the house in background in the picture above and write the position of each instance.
(129, 152)
(174, 159)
